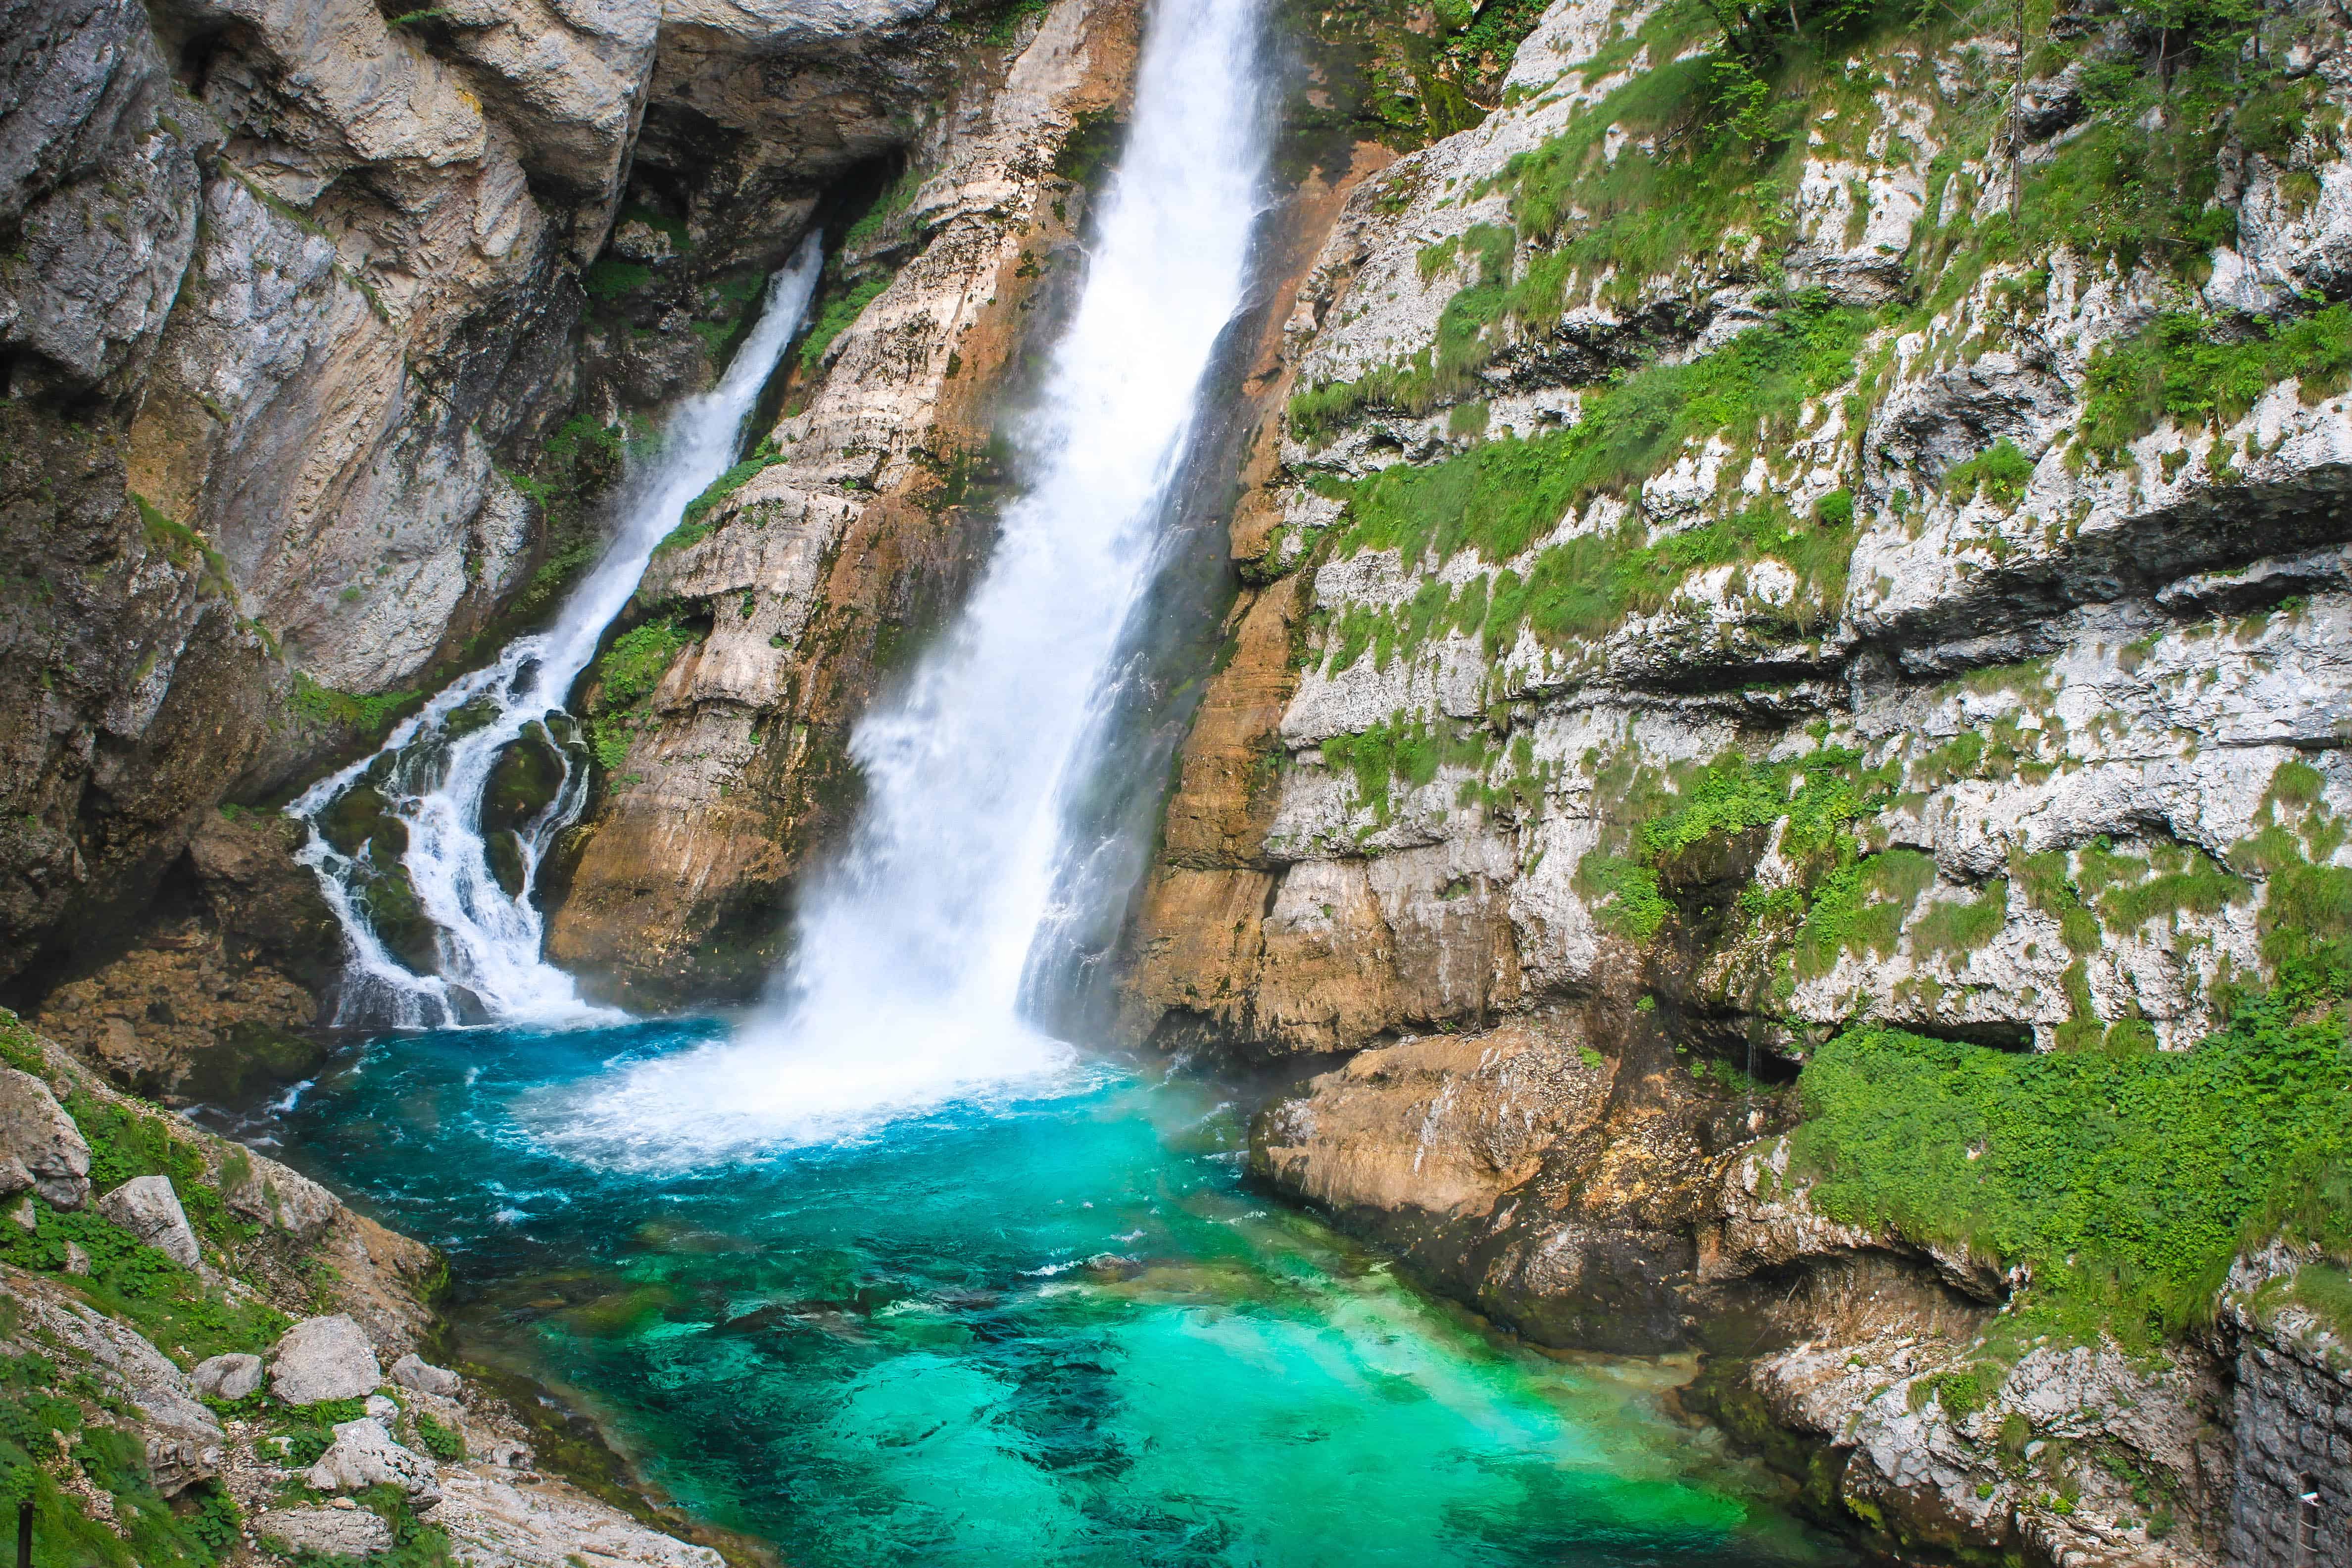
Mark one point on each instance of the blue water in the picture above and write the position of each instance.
(1059, 1330)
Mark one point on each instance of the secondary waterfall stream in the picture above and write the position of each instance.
(433, 769)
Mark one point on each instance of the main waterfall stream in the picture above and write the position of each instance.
(883, 1274)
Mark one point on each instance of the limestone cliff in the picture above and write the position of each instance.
(324, 333)
(1782, 535)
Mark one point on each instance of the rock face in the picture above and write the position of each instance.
(1685, 617)
(412, 1372)
(807, 586)
(149, 1209)
(40, 1147)
(329, 1531)
(298, 292)
(325, 1358)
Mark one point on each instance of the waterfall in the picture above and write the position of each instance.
(432, 771)
(904, 990)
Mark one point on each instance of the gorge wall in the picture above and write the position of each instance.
(325, 334)
(1819, 547)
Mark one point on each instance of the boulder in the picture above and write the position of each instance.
(231, 1377)
(327, 1531)
(325, 1358)
(365, 1455)
(40, 1147)
(411, 1371)
(149, 1209)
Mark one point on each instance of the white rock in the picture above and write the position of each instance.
(77, 1260)
(411, 1371)
(325, 1358)
(230, 1377)
(149, 1209)
(329, 1531)
(365, 1455)
(381, 1407)
(40, 1147)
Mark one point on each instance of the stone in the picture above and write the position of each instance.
(364, 1454)
(411, 1371)
(149, 1209)
(384, 1407)
(77, 1259)
(229, 1377)
(23, 1216)
(40, 1147)
(325, 1358)
(345, 1531)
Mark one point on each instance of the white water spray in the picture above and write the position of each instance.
(435, 767)
(904, 992)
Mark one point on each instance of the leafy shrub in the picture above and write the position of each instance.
(440, 1441)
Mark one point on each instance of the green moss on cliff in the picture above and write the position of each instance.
(624, 676)
(2124, 1183)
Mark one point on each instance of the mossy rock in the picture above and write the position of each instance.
(474, 715)
(503, 850)
(362, 817)
(388, 902)
(247, 1058)
(523, 781)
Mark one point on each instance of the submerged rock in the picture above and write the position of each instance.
(325, 1358)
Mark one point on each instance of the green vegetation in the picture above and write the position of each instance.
(1651, 818)
(1406, 747)
(1499, 498)
(366, 716)
(446, 1444)
(45, 1422)
(625, 674)
(691, 528)
(2307, 919)
(843, 307)
(2182, 367)
(886, 207)
(608, 279)
(137, 1283)
(2000, 473)
(19, 1047)
(184, 547)
(2125, 1182)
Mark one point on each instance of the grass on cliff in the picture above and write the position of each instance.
(2182, 367)
(1501, 497)
(2125, 1181)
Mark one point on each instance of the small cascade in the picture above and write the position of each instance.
(905, 987)
(466, 796)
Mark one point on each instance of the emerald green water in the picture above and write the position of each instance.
(1059, 1330)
